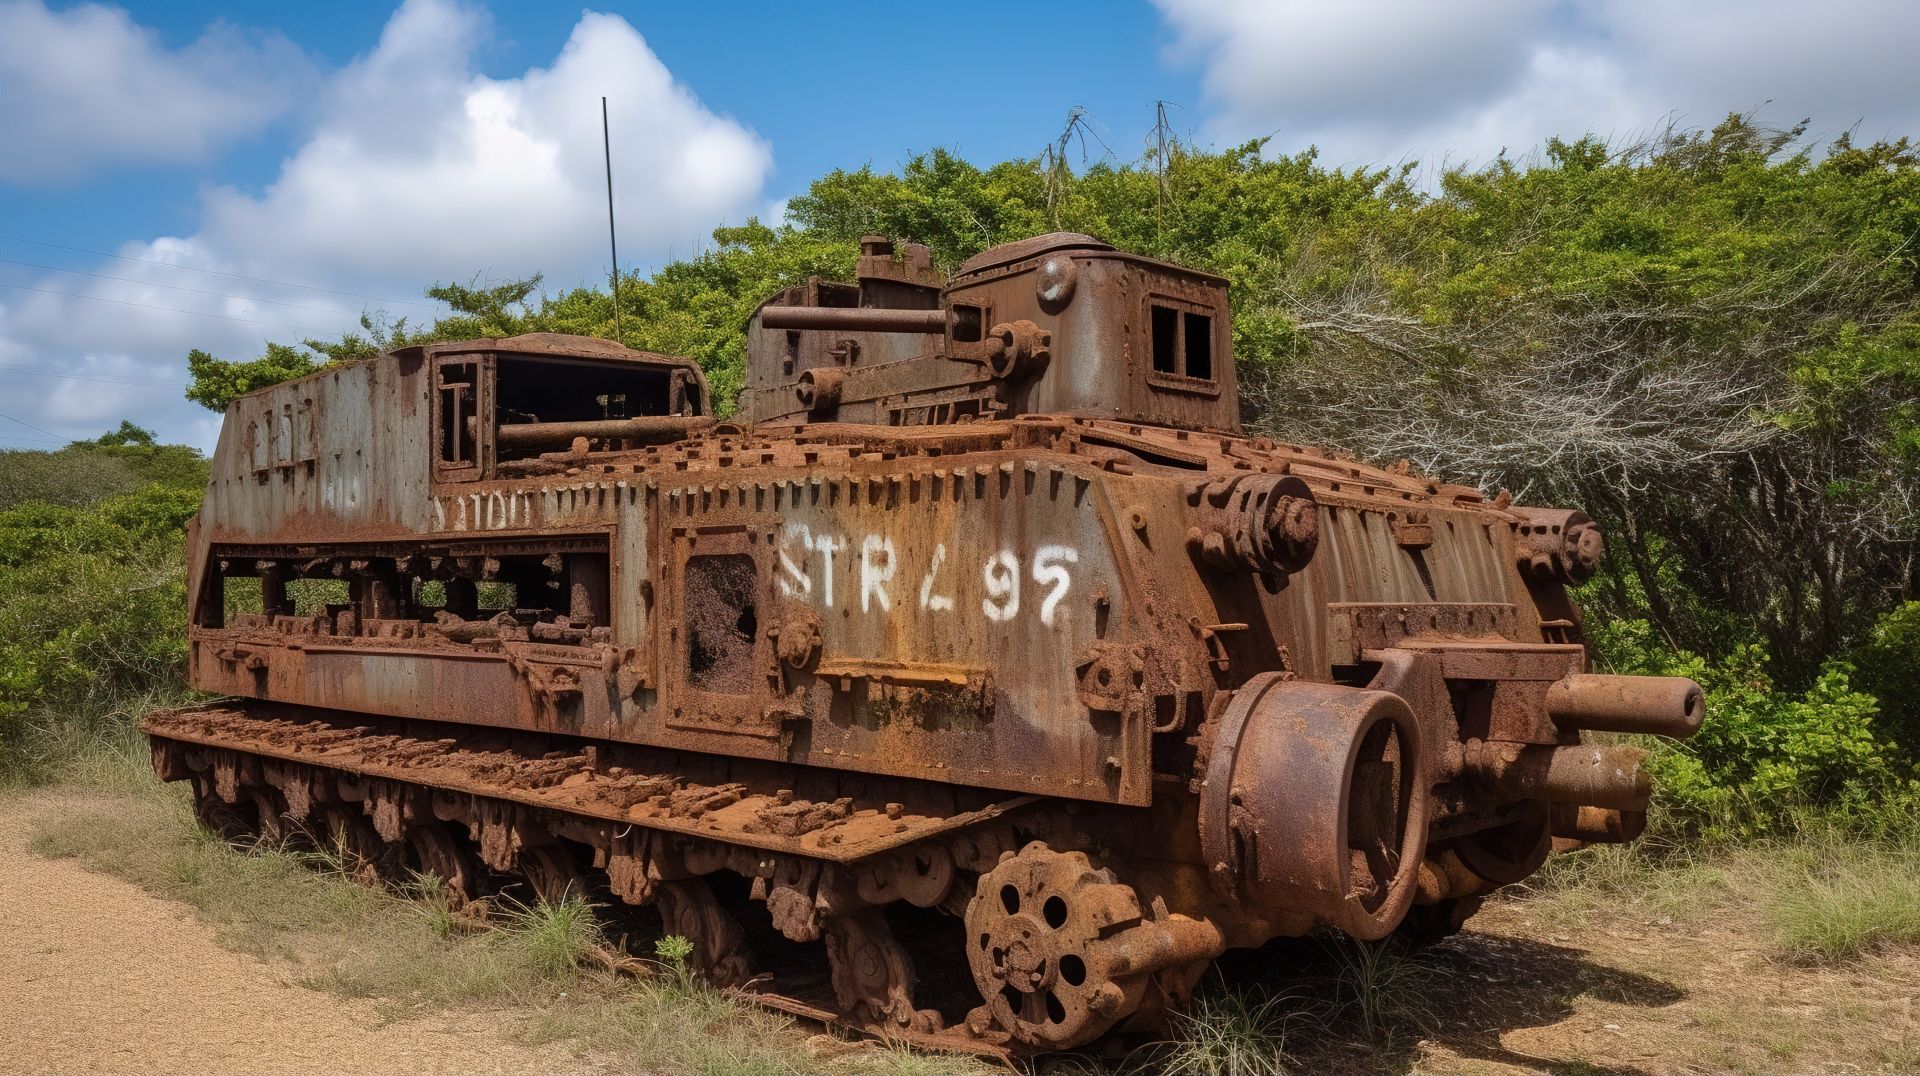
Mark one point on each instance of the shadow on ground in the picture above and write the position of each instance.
(1463, 995)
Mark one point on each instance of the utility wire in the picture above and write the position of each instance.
(31, 426)
(216, 272)
(110, 379)
(174, 287)
(171, 309)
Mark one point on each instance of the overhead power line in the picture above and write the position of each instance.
(216, 272)
(31, 426)
(173, 287)
(171, 309)
(110, 379)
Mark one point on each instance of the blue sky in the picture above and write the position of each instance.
(364, 151)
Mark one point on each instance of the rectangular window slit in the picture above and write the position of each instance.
(1199, 346)
(1166, 330)
(967, 327)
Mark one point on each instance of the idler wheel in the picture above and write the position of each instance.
(236, 823)
(350, 837)
(1062, 953)
(433, 849)
(1512, 850)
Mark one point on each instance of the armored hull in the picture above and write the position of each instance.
(987, 615)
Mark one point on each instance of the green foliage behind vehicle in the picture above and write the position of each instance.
(92, 586)
(1765, 750)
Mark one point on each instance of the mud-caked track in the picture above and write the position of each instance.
(1069, 954)
(986, 655)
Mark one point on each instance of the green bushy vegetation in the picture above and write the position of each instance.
(92, 591)
(1767, 750)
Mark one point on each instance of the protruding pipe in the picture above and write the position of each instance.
(1599, 825)
(1444, 877)
(853, 319)
(819, 388)
(651, 429)
(1662, 705)
(1586, 775)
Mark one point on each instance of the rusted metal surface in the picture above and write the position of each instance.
(630, 431)
(1662, 705)
(988, 595)
(1314, 801)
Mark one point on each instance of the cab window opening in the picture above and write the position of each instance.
(1166, 329)
(533, 391)
(1199, 346)
(968, 322)
(457, 382)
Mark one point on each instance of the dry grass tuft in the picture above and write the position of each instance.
(1848, 901)
(1229, 1033)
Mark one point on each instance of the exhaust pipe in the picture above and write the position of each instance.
(1659, 705)
(1579, 774)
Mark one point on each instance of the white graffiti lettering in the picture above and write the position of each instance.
(1048, 563)
(931, 602)
(806, 564)
(794, 580)
(827, 545)
(480, 511)
(1001, 576)
(876, 568)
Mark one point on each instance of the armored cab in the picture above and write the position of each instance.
(985, 636)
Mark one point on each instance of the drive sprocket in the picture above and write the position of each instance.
(1062, 952)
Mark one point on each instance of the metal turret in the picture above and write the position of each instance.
(1058, 324)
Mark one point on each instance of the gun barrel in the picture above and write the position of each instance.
(1662, 705)
(650, 429)
(853, 319)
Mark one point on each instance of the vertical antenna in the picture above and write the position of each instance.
(606, 147)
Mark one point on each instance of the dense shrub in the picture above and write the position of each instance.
(92, 605)
(1763, 749)
(1889, 666)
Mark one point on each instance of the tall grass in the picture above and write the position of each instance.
(1828, 885)
(1838, 900)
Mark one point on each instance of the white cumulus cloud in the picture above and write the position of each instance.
(420, 168)
(87, 88)
(1380, 81)
(416, 169)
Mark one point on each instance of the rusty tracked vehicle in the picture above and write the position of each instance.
(986, 655)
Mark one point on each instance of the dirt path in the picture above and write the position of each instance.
(97, 976)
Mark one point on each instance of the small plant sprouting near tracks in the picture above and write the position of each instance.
(672, 952)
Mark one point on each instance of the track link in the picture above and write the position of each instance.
(481, 809)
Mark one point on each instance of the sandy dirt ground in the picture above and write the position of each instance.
(97, 976)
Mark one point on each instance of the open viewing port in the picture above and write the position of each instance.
(506, 414)
(473, 594)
